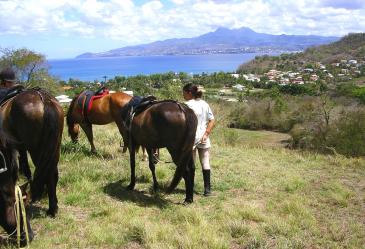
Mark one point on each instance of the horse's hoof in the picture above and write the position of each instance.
(187, 201)
(156, 187)
(169, 190)
(130, 187)
(52, 212)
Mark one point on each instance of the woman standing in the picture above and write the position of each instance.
(205, 117)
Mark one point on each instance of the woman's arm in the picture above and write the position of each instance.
(208, 130)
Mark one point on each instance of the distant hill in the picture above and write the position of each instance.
(222, 40)
(351, 46)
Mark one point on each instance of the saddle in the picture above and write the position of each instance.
(8, 93)
(135, 106)
(86, 98)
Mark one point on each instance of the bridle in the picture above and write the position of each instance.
(4, 169)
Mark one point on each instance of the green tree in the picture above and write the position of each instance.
(31, 68)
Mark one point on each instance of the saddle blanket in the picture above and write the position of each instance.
(86, 98)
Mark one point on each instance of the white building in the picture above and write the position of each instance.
(63, 99)
(238, 87)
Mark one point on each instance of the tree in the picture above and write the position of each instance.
(30, 67)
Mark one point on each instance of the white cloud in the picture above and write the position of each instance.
(157, 20)
(179, 2)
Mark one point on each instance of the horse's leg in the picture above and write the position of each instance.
(151, 164)
(144, 154)
(124, 136)
(24, 165)
(189, 179)
(185, 162)
(156, 155)
(88, 129)
(52, 196)
(132, 158)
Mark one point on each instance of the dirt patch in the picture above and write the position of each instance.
(275, 139)
(266, 139)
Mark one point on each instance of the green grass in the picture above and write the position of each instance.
(265, 196)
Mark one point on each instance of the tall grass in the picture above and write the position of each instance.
(264, 196)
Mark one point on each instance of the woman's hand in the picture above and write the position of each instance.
(204, 138)
(207, 131)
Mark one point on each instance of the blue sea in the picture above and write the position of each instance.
(96, 68)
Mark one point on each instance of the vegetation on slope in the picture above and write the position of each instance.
(351, 46)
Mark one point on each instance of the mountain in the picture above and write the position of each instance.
(348, 47)
(222, 40)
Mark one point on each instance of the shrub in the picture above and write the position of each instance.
(347, 134)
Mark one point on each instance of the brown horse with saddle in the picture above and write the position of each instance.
(31, 120)
(162, 124)
(159, 124)
(100, 108)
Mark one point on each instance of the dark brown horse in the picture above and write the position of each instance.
(33, 122)
(103, 111)
(8, 181)
(165, 124)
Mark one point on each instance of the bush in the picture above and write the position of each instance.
(315, 123)
(299, 89)
(271, 113)
(359, 93)
(347, 134)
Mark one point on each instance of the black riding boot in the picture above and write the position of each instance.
(206, 178)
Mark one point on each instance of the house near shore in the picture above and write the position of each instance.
(238, 87)
(63, 99)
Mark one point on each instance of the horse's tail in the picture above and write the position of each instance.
(71, 124)
(191, 123)
(47, 153)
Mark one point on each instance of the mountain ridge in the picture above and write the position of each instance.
(222, 40)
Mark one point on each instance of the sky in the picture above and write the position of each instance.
(67, 28)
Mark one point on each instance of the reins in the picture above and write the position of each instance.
(19, 209)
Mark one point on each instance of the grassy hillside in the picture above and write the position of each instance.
(265, 196)
(351, 46)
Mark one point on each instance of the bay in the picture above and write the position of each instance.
(91, 69)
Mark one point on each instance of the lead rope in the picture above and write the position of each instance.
(20, 208)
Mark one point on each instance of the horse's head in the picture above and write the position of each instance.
(73, 126)
(74, 131)
(8, 215)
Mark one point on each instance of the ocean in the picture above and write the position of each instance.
(96, 68)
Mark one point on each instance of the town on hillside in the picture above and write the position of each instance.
(340, 71)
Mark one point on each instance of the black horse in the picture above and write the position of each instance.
(32, 121)
(164, 124)
(8, 180)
